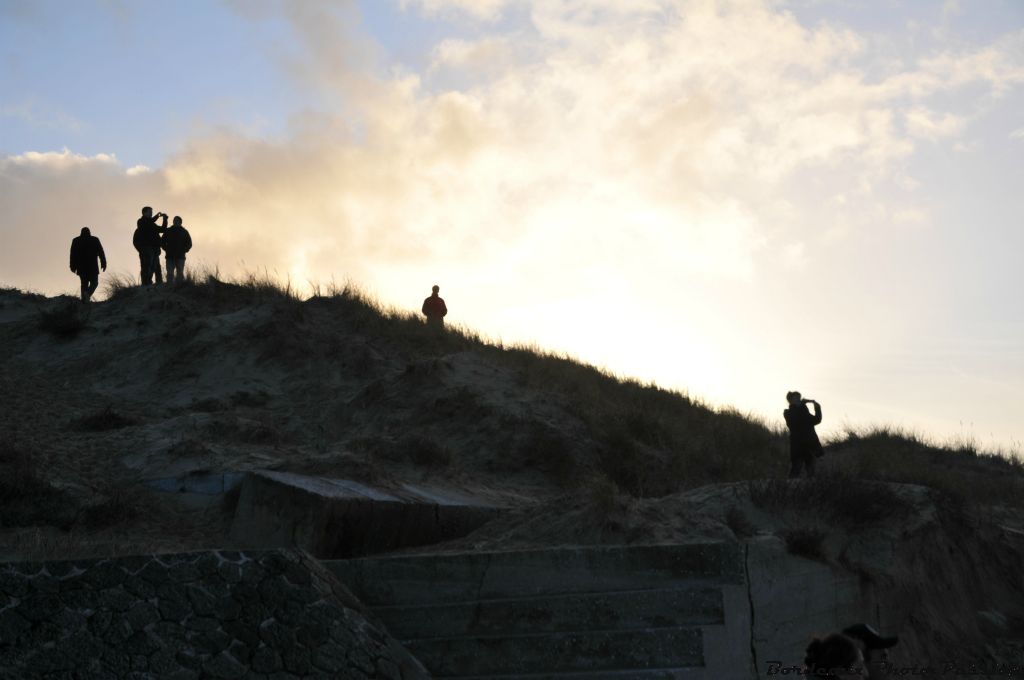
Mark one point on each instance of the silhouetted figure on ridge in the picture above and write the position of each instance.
(434, 309)
(147, 241)
(804, 446)
(86, 249)
(176, 242)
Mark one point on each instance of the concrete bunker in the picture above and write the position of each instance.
(339, 518)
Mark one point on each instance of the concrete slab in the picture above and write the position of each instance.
(444, 578)
(623, 610)
(586, 612)
(553, 652)
(633, 674)
(208, 483)
(335, 518)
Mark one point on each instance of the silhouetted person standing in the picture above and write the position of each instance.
(804, 446)
(147, 241)
(176, 242)
(85, 251)
(434, 309)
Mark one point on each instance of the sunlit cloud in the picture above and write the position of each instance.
(54, 161)
(487, 10)
(557, 159)
(683, 131)
(910, 216)
(928, 125)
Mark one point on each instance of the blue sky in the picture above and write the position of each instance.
(813, 194)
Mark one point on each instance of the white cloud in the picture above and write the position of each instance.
(488, 10)
(1017, 134)
(911, 216)
(967, 147)
(930, 125)
(671, 130)
(56, 161)
(485, 54)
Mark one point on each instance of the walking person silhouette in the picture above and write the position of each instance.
(85, 250)
(804, 445)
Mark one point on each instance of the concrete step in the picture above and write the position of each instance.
(621, 610)
(644, 674)
(443, 578)
(675, 647)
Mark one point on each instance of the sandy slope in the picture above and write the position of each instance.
(224, 387)
(189, 383)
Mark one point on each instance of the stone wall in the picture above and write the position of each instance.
(218, 614)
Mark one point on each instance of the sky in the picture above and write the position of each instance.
(733, 198)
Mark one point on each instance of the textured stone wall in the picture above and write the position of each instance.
(216, 614)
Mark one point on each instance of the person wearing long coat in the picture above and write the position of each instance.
(86, 250)
(804, 446)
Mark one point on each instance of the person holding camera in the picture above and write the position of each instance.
(147, 241)
(804, 446)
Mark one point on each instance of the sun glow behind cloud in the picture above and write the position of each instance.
(707, 194)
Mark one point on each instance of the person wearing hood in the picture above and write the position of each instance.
(176, 242)
(86, 249)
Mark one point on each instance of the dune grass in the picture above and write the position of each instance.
(66, 319)
(643, 440)
(958, 469)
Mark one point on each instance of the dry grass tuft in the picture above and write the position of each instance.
(425, 451)
(845, 501)
(66, 319)
(806, 542)
(103, 421)
(120, 505)
(738, 522)
(604, 496)
(957, 469)
(26, 498)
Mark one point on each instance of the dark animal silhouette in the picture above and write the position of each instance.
(86, 249)
(804, 445)
(146, 240)
(874, 647)
(176, 242)
(835, 655)
(434, 309)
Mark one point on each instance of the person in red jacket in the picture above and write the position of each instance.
(434, 309)
(804, 445)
